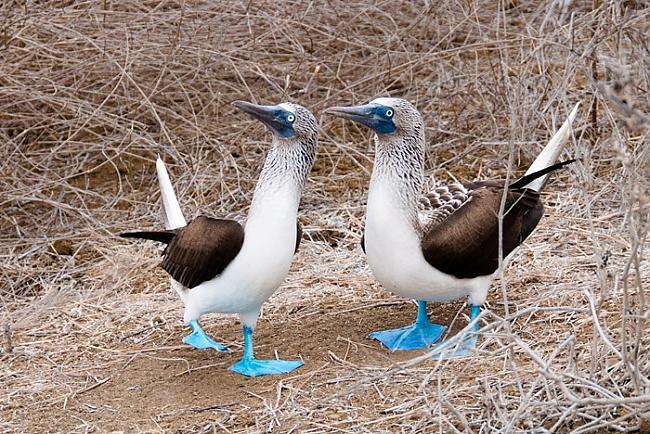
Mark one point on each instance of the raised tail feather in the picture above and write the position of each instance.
(550, 154)
(171, 210)
(527, 180)
(160, 236)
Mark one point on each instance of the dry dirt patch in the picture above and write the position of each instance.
(91, 92)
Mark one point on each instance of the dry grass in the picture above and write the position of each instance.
(90, 92)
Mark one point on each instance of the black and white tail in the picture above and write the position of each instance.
(546, 159)
(171, 210)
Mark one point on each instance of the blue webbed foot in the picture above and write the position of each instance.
(200, 340)
(255, 368)
(411, 337)
(421, 334)
(251, 367)
(460, 346)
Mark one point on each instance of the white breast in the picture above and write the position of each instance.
(395, 256)
(260, 267)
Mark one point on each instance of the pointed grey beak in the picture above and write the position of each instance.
(273, 116)
(357, 113)
(370, 115)
(264, 113)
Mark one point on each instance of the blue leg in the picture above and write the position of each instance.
(461, 346)
(251, 367)
(421, 334)
(199, 340)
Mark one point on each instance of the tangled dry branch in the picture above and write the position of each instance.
(91, 92)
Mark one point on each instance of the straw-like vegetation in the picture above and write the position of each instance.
(91, 92)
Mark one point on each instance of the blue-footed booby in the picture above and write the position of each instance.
(444, 244)
(217, 265)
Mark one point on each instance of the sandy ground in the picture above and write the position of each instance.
(144, 378)
(90, 94)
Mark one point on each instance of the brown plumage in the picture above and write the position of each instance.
(461, 231)
(201, 250)
(466, 243)
(298, 236)
(438, 204)
(460, 224)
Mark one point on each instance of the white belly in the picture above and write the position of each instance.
(396, 260)
(253, 276)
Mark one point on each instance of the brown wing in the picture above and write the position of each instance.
(465, 244)
(435, 206)
(298, 236)
(438, 204)
(202, 250)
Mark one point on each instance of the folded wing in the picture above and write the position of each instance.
(463, 240)
(202, 250)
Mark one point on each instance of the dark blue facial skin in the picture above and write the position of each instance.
(279, 120)
(375, 116)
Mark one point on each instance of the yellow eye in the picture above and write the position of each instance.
(389, 113)
(291, 118)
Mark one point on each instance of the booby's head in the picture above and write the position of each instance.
(383, 115)
(399, 142)
(293, 149)
(286, 120)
